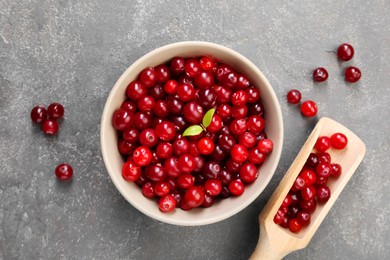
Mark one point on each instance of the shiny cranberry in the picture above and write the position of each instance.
(236, 187)
(232, 166)
(165, 131)
(312, 161)
(299, 183)
(253, 94)
(224, 95)
(136, 90)
(222, 70)
(225, 176)
(55, 111)
(321, 180)
(185, 92)
(163, 73)
(208, 201)
(294, 225)
(352, 74)
(180, 146)
(146, 103)
(218, 153)
(38, 114)
(211, 170)
(64, 172)
(224, 130)
(175, 105)
(193, 149)
(156, 173)
(287, 201)
(229, 80)
(148, 190)
(185, 181)
(142, 120)
(171, 86)
(309, 108)
(336, 170)
(213, 187)
(161, 108)
(177, 65)
(205, 79)
(142, 156)
(338, 141)
(122, 119)
(180, 123)
(308, 176)
(292, 211)
(345, 52)
(322, 144)
(131, 135)
(256, 109)
(303, 218)
(194, 197)
(225, 193)
(148, 77)
(239, 126)
(207, 63)
(247, 139)
(192, 67)
(224, 110)
(164, 150)
(248, 172)
(199, 164)
(323, 193)
(239, 98)
(162, 188)
(178, 196)
(50, 127)
(308, 206)
(323, 169)
(239, 153)
(171, 167)
(156, 92)
(141, 180)
(239, 111)
(256, 124)
(265, 146)
(295, 197)
(167, 203)
(308, 193)
(205, 146)
(207, 97)
(186, 163)
(320, 74)
(129, 105)
(294, 96)
(215, 125)
(278, 218)
(125, 147)
(256, 156)
(324, 157)
(193, 112)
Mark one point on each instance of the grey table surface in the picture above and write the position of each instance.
(73, 52)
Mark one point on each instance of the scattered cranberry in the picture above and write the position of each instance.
(309, 108)
(50, 127)
(38, 114)
(345, 52)
(352, 74)
(55, 111)
(320, 74)
(294, 96)
(64, 172)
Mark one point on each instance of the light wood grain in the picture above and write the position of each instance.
(276, 242)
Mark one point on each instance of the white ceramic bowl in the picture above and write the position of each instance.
(224, 208)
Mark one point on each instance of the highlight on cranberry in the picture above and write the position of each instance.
(64, 172)
(191, 132)
(310, 187)
(48, 118)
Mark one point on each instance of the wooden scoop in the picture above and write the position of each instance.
(276, 242)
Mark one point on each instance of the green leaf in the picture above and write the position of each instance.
(208, 117)
(193, 130)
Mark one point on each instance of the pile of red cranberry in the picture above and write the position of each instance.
(195, 169)
(310, 186)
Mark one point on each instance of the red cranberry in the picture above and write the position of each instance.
(236, 187)
(320, 74)
(122, 119)
(239, 98)
(239, 153)
(294, 225)
(207, 63)
(167, 203)
(148, 137)
(156, 173)
(180, 146)
(287, 201)
(192, 67)
(295, 197)
(185, 181)
(131, 135)
(255, 156)
(175, 105)
(211, 170)
(278, 218)
(179, 122)
(185, 92)
(164, 150)
(177, 65)
(213, 187)
(193, 149)
(163, 73)
(38, 114)
(243, 82)
(207, 97)
(186, 80)
(224, 95)
(323, 169)
(141, 180)
(312, 161)
(148, 190)
(208, 201)
(309, 108)
(323, 193)
(171, 167)
(136, 90)
(247, 139)
(142, 120)
(229, 80)
(232, 166)
(125, 147)
(321, 180)
(336, 170)
(224, 130)
(205, 146)
(162, 188)
(166, 131)
(199, 164)
(129, 105)
(171, 86)
(161, 108)
(299, 183)
(221, 71)
(204, 80)
(265, 146)
(215, 125)
(322, 144)
(50, 127)
(248, 172)
(148, 77)
(308, 176)
(324, 157)
(55, 111)
(338, 141)
(239, 126)
(294, 96)
(224, 111)
(253, 94)
(142, 156)
(64, 172)
(292, 211)
(256, 124)
(186, 163)
(194, 197)
(225, 176)
(309, 206)
(352, 74)
(193, 112)
(256, 109)
(345, 52)
(303, 218)
(157, 92)
(308, 193)
(239, 111)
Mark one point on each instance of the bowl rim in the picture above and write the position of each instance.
(106, 120)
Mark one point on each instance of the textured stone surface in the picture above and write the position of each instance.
(74, 51)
